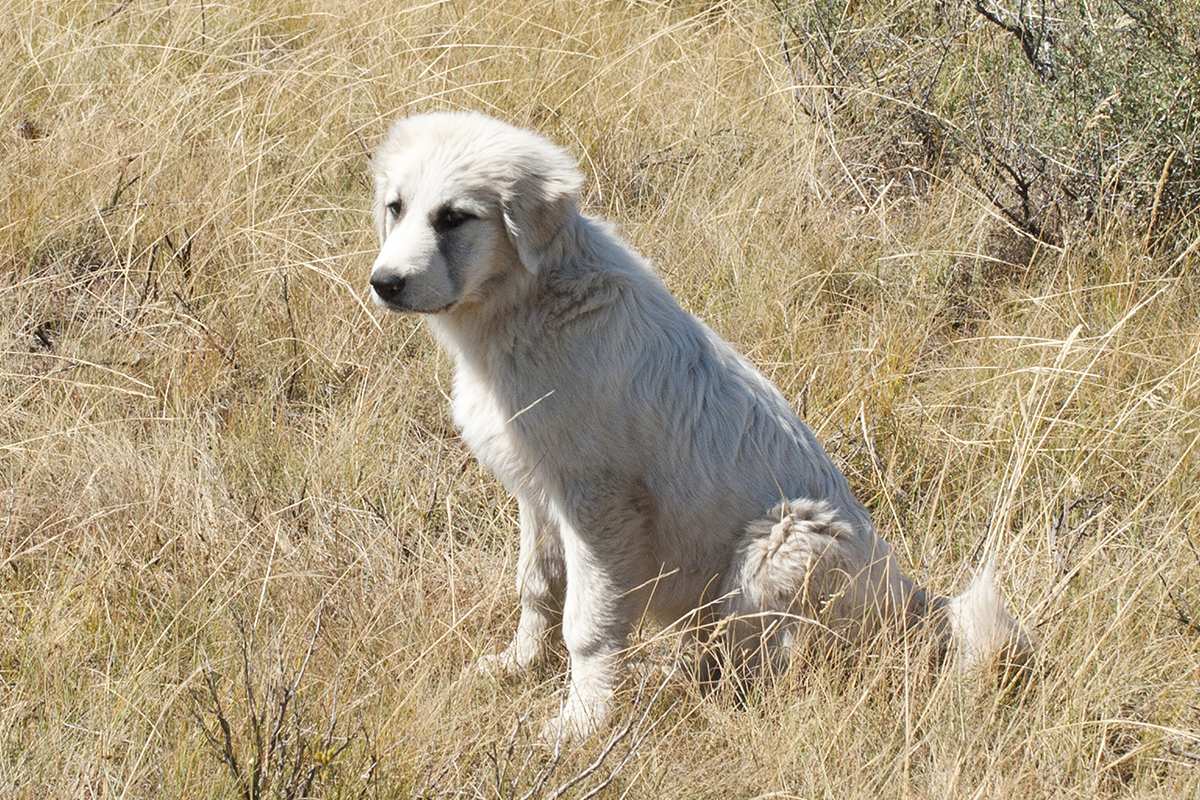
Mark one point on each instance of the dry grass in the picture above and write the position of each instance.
(208, 443)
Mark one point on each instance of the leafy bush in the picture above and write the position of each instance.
(1063, 114)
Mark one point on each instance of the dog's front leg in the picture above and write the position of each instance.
(541, 579)
(602, 606)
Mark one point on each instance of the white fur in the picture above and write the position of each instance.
(657, 472)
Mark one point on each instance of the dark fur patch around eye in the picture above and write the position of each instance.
(449, 218)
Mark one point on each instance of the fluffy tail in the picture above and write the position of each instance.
(783, 574)
(982, 633)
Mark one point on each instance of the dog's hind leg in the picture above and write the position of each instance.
(789, 568)
(541, 587)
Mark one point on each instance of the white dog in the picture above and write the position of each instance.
(657, 472)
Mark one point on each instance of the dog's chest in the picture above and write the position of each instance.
(485, 428)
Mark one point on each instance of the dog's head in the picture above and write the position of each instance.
(465, 204)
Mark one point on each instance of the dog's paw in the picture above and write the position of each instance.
(565, 729)
(574, 723)
(497, 665)
(512, 660)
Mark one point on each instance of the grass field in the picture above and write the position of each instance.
(230, 490)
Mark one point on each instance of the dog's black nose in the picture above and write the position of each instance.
(388, 287)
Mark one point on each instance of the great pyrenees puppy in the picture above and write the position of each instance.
(657, 473)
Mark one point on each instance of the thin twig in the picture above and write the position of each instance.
(1183, 613)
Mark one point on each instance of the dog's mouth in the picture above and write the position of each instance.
(397, 308)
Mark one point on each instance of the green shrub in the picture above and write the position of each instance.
(1065, 115)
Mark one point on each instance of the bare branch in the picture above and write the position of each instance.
(1036, 42)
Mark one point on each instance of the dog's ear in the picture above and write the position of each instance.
(393, 143)
(542, 198)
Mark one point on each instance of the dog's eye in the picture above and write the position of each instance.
(396, 208)
(448, 218)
